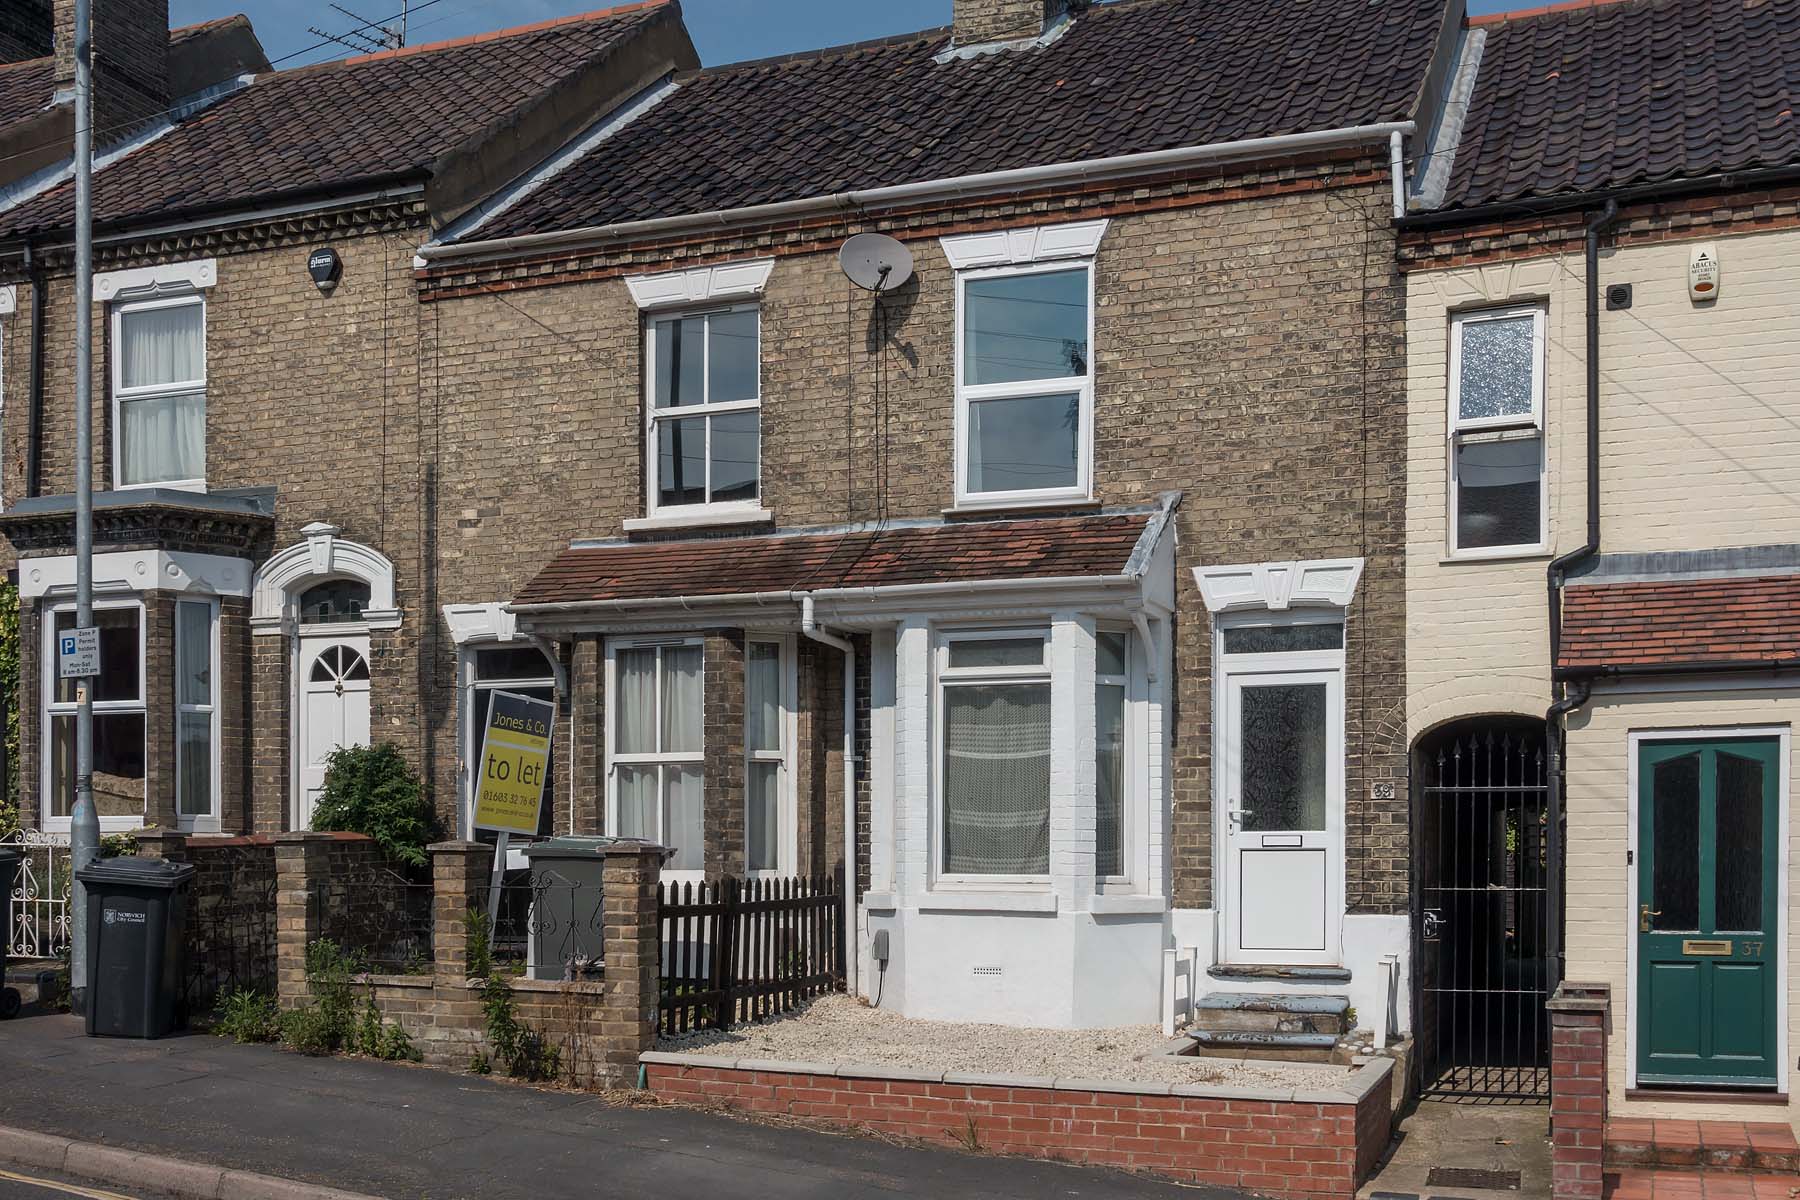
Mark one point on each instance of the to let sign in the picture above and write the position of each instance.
(78, 653)
(515, 761)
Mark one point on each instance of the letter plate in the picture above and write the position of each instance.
(1706, 947)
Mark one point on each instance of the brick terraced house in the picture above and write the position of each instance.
(266, 574)
(1603, 532)
(1055, 583)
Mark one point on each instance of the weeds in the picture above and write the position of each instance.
(247, 1016)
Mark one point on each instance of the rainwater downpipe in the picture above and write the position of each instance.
(34, 438)
(809, 626)
(1568, 699)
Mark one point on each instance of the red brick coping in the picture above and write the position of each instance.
(1280, 1143)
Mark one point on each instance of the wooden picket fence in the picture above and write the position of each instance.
(740, 950)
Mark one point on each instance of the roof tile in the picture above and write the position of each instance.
(1680, 622)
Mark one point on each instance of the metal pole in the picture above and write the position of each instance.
(84, 823)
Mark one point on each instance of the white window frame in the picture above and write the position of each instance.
(469, 681)
(49, 707)
(121, 395)
(1133, 819)
(969, 394)
(787, 833)
(652, 414)
(615, 758)
(945, 676)
(1521, 424)
(209, 821)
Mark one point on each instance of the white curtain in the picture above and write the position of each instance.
(162, 346)
(194, 794)
(997, 779)
(634, 702)
(762, 696)
(763, 818)
(636, 794)
(681, 699)
(163, 438)
(682, 826)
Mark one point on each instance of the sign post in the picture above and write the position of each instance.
(515, 762)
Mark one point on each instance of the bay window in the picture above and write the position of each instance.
(768, 780)
(117, 693)
(1496, 430)
(994, 765)
(159, 392)
(196, 714)
(1024, 383)
(705, 401)
(655, 767)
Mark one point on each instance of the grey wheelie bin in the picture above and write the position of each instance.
(567, 930)
(9, 872)
(136, 945)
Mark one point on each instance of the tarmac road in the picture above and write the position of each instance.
(47, 1185)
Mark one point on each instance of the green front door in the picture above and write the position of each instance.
(1706, 911)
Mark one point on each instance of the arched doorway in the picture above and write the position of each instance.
(1483, 939)
(325, 596)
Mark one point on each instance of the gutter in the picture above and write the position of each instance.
(811, 628)
(788, 596)
(1557, 571)
(1773, 666)
(953, 187)
(1582, 201)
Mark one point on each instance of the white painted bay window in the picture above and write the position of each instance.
(1496, 431)
(655, 760)
(118, 699)
(1024, 383)
(705, 411)
(197, 714)
(994, 762)
(159, 392)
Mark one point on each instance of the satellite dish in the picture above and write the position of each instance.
(876, 262)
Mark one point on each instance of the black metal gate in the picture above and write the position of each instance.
(1485, 951)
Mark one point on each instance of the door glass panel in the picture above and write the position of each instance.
(1282, 732)
(1738, 883)
(1675, 834)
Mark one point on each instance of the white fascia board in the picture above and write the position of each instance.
(140, 571)
(1022, 247)
(163, 279)
(1277, 586)
(600, 131)
(701, 285)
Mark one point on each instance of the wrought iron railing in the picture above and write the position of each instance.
(39, 924)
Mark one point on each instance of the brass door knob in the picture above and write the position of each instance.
(1645, 912)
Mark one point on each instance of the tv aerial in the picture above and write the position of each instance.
(875, 262)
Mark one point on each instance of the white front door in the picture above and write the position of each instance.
(1282, 830)
(332, 710)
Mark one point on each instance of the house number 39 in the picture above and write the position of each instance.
(1381, 791)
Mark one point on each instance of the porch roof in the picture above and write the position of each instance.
(1743, 621)
(1093, 546)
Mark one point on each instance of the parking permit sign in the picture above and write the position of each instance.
(78, 653)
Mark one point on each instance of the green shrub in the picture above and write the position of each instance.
(309, 1031)
(371, 790)
(245, 1016)
(479, 931)
(327, 1023)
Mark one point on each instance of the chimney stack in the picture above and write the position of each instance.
(131, 64)
(984, 22)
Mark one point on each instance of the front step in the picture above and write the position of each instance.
(1722, 1146)
(1261, 1012)
(1255, 1041)
(1675, 1183)
(1266, 974)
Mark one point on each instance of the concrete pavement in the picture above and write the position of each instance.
(401, 1131)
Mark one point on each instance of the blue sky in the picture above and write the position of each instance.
(723, 30)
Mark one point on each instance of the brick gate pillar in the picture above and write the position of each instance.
(460, 872)
(633, 950)
(1579, 1015)
(302, 863)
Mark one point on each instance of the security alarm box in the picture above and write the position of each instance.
(1703, 273)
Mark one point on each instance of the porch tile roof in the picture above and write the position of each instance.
(1037, 548)
(1678, 622)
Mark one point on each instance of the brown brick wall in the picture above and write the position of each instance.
(1303, 1150)
(723, 719)
(981, 21)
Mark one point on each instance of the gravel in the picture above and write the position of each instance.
(839, 1030)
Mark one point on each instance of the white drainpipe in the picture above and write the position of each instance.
(1397, 169)
(810, 627)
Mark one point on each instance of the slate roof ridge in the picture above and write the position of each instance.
(816, 54)
(1515, 16)
(475, 39)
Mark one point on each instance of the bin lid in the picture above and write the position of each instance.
(572, 846)
(137, 872)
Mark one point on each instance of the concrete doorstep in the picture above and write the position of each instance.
(131, 1168)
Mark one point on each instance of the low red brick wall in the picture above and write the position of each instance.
(1313, 1145)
